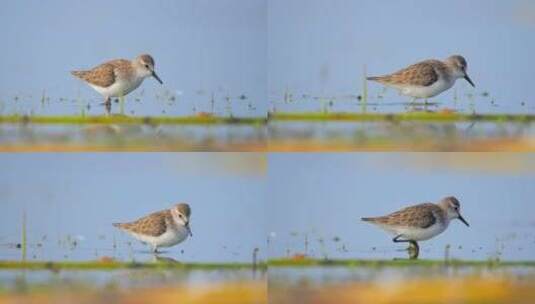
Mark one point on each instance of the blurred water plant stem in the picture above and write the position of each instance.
(364, 100)
(121, 105)
(24, 240)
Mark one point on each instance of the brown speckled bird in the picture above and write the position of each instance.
(419, 222)
(117, 78)
(164, 228)
(427, 78)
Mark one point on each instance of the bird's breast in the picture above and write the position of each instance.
(439, 86)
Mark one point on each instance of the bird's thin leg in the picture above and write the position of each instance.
(107, 104)
(412, 104)
(397, 240)
(155, 250)
(414, 249)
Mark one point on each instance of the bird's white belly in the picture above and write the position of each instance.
(421, 234)
(119, 87)
(436, 88)
(169, 238)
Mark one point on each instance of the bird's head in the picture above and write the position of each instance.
(459, 66)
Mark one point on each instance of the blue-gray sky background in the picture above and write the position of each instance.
(200, 47)
(319, 48)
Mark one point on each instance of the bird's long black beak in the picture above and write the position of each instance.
(469, 80)
(158, 78)
(463, 220)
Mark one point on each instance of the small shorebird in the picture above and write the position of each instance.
(117, 78)
(164, 228)
(427, 78)
(419, 222)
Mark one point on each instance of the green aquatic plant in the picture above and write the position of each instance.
(24, 241)
(311, 262)
(406, 116)
(111, 264)
(119, 119)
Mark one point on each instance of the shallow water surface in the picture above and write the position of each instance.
(401, 285)
(146, 137)
(400, 135)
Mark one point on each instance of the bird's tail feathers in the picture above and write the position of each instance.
(78, 74)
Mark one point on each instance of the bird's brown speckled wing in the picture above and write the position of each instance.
(422, 216)
(103, 75)
(154, 224)
(420, 74)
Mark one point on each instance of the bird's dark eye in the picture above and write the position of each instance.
(147, 66)
(180, 215)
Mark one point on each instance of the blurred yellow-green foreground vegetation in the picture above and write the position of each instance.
(278, 131)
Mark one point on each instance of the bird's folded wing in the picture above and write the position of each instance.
(419, 74)
(422, 216)
(154, 224)
(102, 75)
